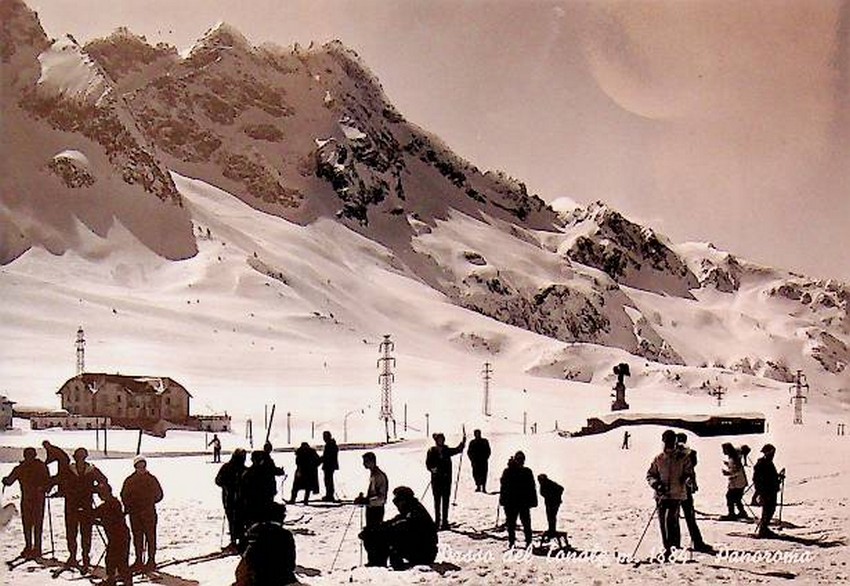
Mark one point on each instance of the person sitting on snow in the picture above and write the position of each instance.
(269, 556)
(408, 539)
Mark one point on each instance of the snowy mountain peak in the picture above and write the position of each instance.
(69, 72)
(221, 37)
(629, 253)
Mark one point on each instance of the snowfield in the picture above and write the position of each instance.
(267, 313)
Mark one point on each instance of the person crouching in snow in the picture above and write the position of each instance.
(667, 475)
(551, 492)
(269, 556)
(408, 539)
(110, 515)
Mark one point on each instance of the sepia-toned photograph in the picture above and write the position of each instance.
(395, 292)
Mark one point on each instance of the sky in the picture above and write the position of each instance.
(716, 121)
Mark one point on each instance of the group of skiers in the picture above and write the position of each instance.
(77, 482)
(672, 476)
(255, 520)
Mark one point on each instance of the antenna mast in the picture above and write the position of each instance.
(81, 351)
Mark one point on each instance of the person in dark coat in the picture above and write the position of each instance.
(767, 482)
(330, 464)
(34, 479)
(63, 461)
(228, 478)
(216, 446)
(78, 485)
(307, 462)
(269, 556)
(110, 515)
(257, 489)
(551, 492)
(408, 539)
(140, 494)
(688, 504)
(668, 474)
(438, 460)
(479, 455)
(518, 495)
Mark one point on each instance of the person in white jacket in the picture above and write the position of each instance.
(667, 475)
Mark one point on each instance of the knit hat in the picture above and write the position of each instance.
(138, 459)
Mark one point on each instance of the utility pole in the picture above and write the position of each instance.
(718, 394)
(81, 351)
(800, 388)
(487, 372)
(385, 379)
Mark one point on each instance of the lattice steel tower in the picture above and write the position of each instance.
(486, 374)
(800, 388)
(81, 351)
(386, 379)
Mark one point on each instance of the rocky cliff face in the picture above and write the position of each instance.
(79, 155)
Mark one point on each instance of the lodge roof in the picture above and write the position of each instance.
(135, 385)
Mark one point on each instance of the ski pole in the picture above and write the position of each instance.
(362, 510)
(50, 526)
(221, 533)
(426, 489)
(781, 496)
(459, 464)
(645, 529)
(344, 533)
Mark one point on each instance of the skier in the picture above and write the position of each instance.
(78, 485)
(551, 492)
(34, 480)
(228, 478)
(688, 504)
(626, 436)
(518, 495)
(257, 488)
(56, 454)
(307, 462)
(269, 556)
(376, 494)
(110, 515)
(667, 475)
(439, 463)
(216, 446)
(745, 455)
(272, 469)
(140, 493)
(767, 482)
(479, 454)
(408, 539)
(737, 483)
(330, 464)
